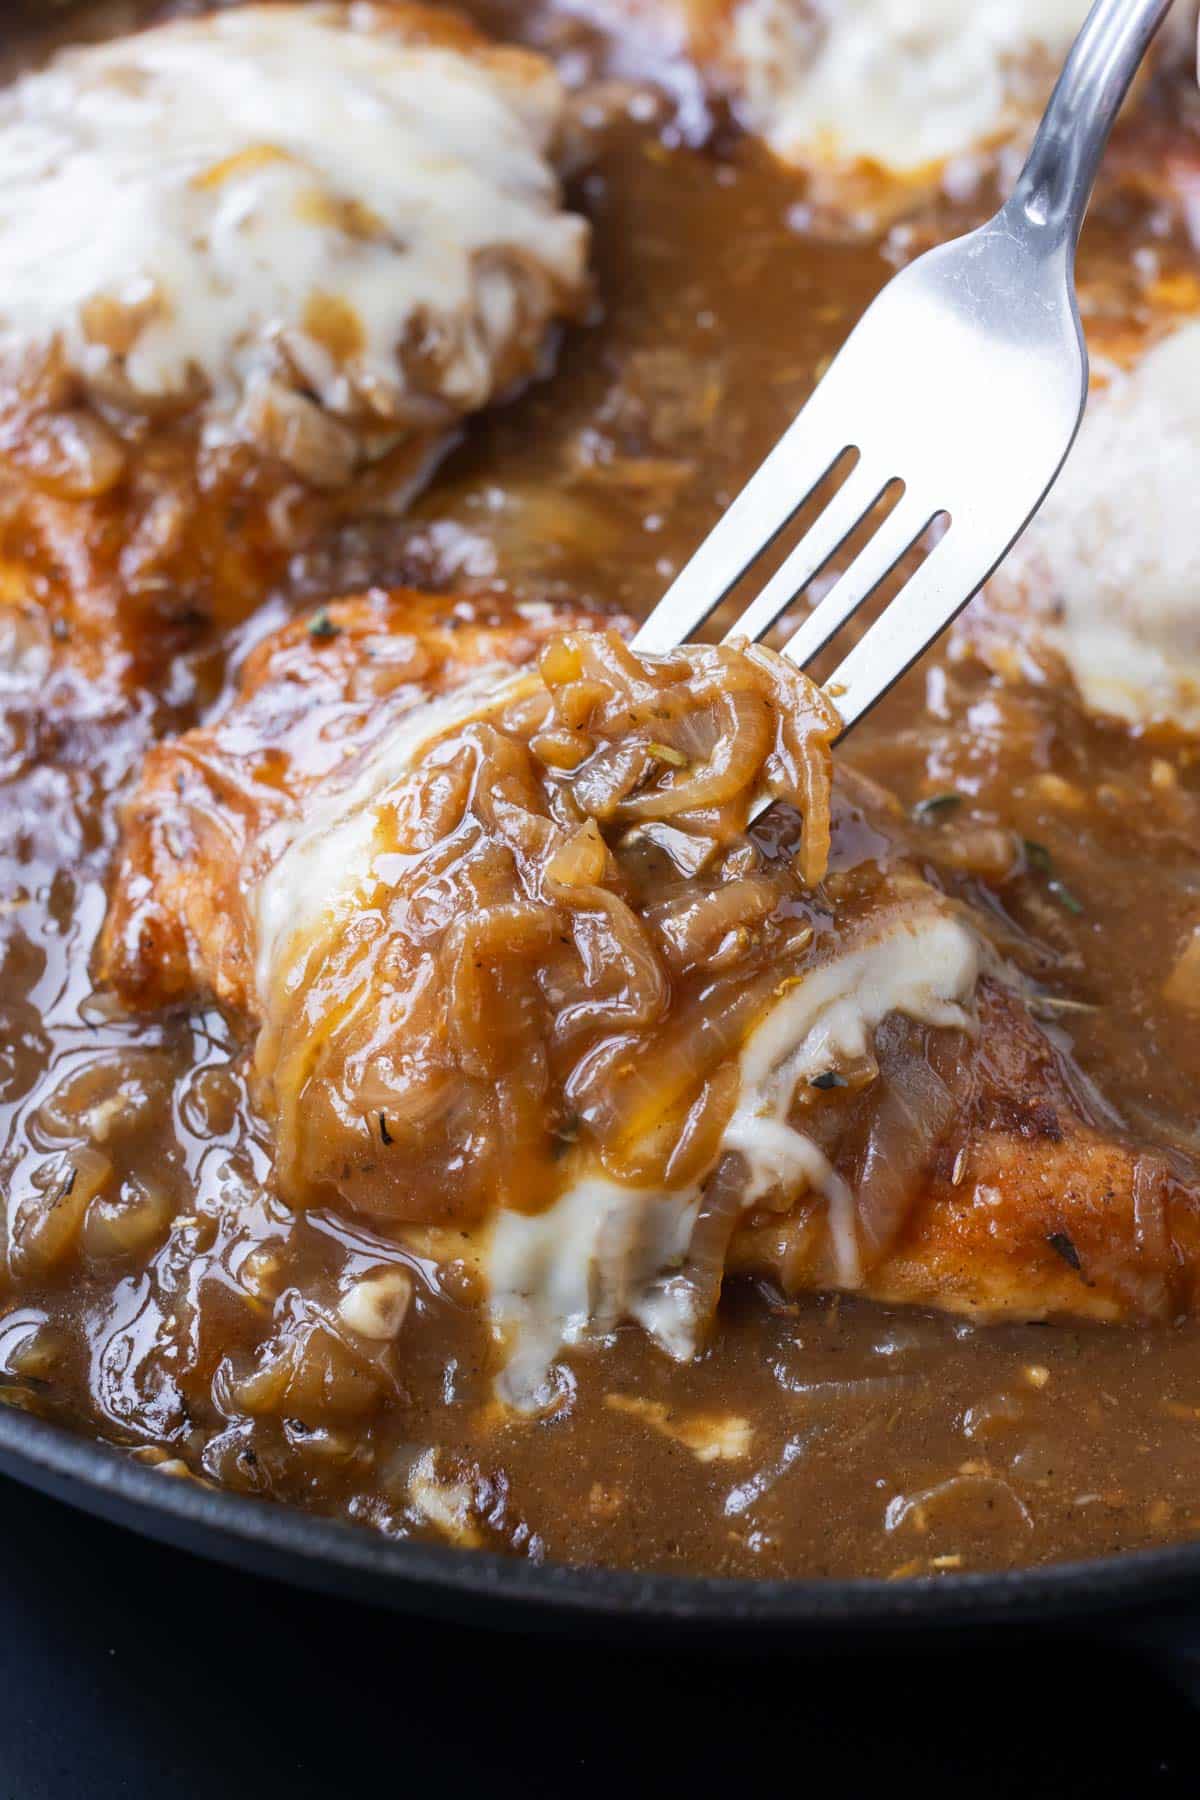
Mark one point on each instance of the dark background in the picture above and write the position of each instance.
(129, 1669)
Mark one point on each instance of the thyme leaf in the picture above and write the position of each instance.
(1063, 1245)
(1039, 858)
(66, 1187)
(564, 1135)
(321, 627)
(936, 806)
(1065, 897)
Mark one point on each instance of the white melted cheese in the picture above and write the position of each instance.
(1112, 562)
(207, 182)
(905, 84)
(319, 879)
(604, 1253)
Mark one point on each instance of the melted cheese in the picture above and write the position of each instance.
(904, 84)
(601, 1254)
(711, 1437)
(446, 1504)
(319, 878)
(604, 1253)
(285, 196)
(1110, 569)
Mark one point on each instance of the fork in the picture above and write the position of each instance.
(965, 380)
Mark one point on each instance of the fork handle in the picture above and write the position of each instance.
(1056, 183)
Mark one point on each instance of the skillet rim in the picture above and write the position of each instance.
(277, 1539)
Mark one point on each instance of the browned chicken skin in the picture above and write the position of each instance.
(1025, 1209)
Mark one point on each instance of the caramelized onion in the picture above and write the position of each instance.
(720, 1209)
(608, 776)
(917, 1105)
(510, 985)
(725, 745)
(72, 455)
(694, 927)
(579, 862)
(44, 1223)
(1182, 987)
(475, 951)
(621, 1096)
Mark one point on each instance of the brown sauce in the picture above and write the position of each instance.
(869, 1440)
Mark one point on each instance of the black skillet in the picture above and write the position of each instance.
(1146, 1600)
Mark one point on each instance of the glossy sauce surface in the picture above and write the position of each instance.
(819, 1436)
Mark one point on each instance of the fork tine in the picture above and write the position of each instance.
(874, 563)
(853, 500)
(779, 487)
(925, 605)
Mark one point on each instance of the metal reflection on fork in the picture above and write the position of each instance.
(965, 381)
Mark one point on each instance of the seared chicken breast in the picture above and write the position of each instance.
(331, 233)
(1107, 579)
(520, 976)
(880, 103)
(867, 94)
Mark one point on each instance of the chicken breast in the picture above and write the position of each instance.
(1107, 579)
(1025, 1209)
(521, 979)
(878, 102)
(362, 242)
(843, 85)
(366, 230)
(904, 87)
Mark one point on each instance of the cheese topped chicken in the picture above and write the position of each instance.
(332, 226)
(526, 990)
(1108, 575)
(256, 269)
(899, 86)
(902, 84)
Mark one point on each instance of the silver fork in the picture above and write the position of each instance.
(965, 379)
